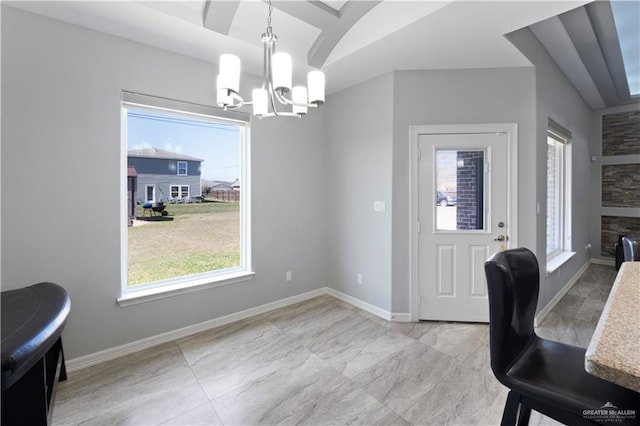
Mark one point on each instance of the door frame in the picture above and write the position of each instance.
(146, 192)
(511, 131)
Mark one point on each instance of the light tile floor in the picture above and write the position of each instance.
(320, 362)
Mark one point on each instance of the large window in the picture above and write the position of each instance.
(558, 195)
(177, 236)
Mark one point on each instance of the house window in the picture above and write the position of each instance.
(186, 239)
(180, 192)
(558, 196)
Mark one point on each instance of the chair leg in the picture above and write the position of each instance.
(510, 414)
(523, 417)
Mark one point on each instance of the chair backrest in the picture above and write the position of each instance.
(631, 249)
(513, 283)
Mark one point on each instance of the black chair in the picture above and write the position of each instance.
(542, 375)
(631, 249)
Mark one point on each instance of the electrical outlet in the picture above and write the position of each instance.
(288, 276)
(359, 278)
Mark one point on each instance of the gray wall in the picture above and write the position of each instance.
(556, 98)
(359, 164)
(457, 97)
(61, 88)
(368, 158)
(329, 167)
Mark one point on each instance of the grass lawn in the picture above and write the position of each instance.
(200, 238)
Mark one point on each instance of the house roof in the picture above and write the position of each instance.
(160, 154)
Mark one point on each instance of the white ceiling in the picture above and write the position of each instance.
(351, 40)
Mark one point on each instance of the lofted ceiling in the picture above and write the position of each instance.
(586, 46)
(350, 40)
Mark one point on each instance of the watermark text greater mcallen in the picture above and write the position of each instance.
(609, 413)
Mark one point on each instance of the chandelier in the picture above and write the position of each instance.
(276, 83)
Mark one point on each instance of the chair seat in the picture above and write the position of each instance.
(554, 373)
(32, 321)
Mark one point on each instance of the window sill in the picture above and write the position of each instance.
(135, 297)
(558, 260)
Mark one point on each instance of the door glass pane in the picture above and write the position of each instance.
(459, 190)
(149, 193)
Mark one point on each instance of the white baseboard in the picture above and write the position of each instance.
(400, 317)
(385, 315)
(129, 348)
(554, 301)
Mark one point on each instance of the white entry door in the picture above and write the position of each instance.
(463, 186)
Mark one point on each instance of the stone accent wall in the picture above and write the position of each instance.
(621, 133)
(470, 187)
(613, 226)
(621, 185)
(621, 182)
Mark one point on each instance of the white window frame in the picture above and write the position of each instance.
(178, 168)
(180, 192)
(153, 192)
(176, 286)
(561, 139)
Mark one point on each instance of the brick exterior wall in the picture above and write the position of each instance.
(613, 226)
(621, 185)
(621, 133)
(470, 190)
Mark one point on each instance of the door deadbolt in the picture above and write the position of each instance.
(500, 224)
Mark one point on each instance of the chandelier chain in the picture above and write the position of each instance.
(269, 16)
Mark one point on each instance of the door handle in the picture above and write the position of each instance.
(501, 238)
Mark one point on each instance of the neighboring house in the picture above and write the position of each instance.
(223, 191)
(221, 186)
(165, 175)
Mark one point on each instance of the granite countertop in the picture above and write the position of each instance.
(614, 351)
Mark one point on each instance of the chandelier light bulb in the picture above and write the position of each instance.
(299, 97)
(223, 98)
(229, 72)
(282, 70)
(260, 102)
(315, 83)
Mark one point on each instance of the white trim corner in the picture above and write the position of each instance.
(365, 306)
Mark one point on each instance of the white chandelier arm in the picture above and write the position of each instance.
(280, 114)
(236, 97)
(283, 100)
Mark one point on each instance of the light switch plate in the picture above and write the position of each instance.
(379, 206)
